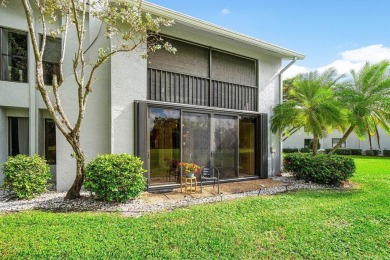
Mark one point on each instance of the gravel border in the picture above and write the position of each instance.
(54, 201)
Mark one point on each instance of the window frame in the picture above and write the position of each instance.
(343, 145)
(46, 138)
(307, 139)
(2, 29)
(49, 62)
(11, 136)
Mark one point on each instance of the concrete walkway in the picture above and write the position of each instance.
(210, 191)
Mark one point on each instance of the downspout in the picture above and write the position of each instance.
(280, 102)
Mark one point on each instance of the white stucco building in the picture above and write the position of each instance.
(301, 139)
(210, 103)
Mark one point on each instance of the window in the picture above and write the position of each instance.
(307, 143)
(14, 56)
(18, 135)
(51, 59)
(335, 141)
(50, 141)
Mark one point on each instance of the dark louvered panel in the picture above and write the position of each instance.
(186, 89)
(263, 145)
(234, 96)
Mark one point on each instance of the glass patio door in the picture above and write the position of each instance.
(225, 145)
(196, 138)
(164, 145)
(211, 140)
(227, 142)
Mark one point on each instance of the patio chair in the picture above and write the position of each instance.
(209, 174)
(173, 172)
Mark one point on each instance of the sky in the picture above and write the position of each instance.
(343, 34)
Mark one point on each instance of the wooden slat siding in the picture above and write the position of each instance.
(187, 89)
(199, 82)
(153, 87)
(167, 88)
(206, 93)
(247, 103)
(163, 86)
(158, 86)
(195, 91)
(263, 143)
(191, 91)
(231, 101)
(177, 89)
(149, 83)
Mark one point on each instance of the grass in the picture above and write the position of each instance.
(351, 224)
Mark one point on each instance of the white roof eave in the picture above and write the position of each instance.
(218, 30)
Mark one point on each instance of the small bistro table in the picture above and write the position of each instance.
(190, 184)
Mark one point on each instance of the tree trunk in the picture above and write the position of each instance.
(315, 145)
(378, 138)
(74, 191)
(343, 139)
(369, 139)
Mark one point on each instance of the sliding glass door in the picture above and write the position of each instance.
(225, 145)
(196, 138)
(227, 142)
(164, 145)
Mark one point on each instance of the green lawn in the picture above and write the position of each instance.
(352, 224)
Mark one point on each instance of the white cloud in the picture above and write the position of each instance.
(294, 70)
(350, 60)
(225, 11)
(343, 66)
(372, 53)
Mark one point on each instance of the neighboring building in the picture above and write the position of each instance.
(300, 139)
(209, 104)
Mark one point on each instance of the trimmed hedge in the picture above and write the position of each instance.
(26, 176)
(341, 151)
(372, 152)
(322, 169)
(305, 150)
(356, 151)
(115, 177)
(386, 152)
(290, 150)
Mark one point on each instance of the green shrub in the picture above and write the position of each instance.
(115, 177)
(340, 151)
(372, 152)
(386, 152)
(322, 169)
(305, 150)
(356, 151)
(290, 150)
(312, 143)
(26, 176)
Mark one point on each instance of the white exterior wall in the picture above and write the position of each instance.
(296, 141)
(95, 129)
(128, 83)
(108, 126)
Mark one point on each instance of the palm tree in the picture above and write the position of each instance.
(367, 99)
(311, 105)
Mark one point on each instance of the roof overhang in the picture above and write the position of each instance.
(218, 30)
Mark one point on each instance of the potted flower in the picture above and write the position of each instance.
(190, 169)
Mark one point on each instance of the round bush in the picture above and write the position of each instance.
(26, 176)
(322, 169)
(115, 177)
